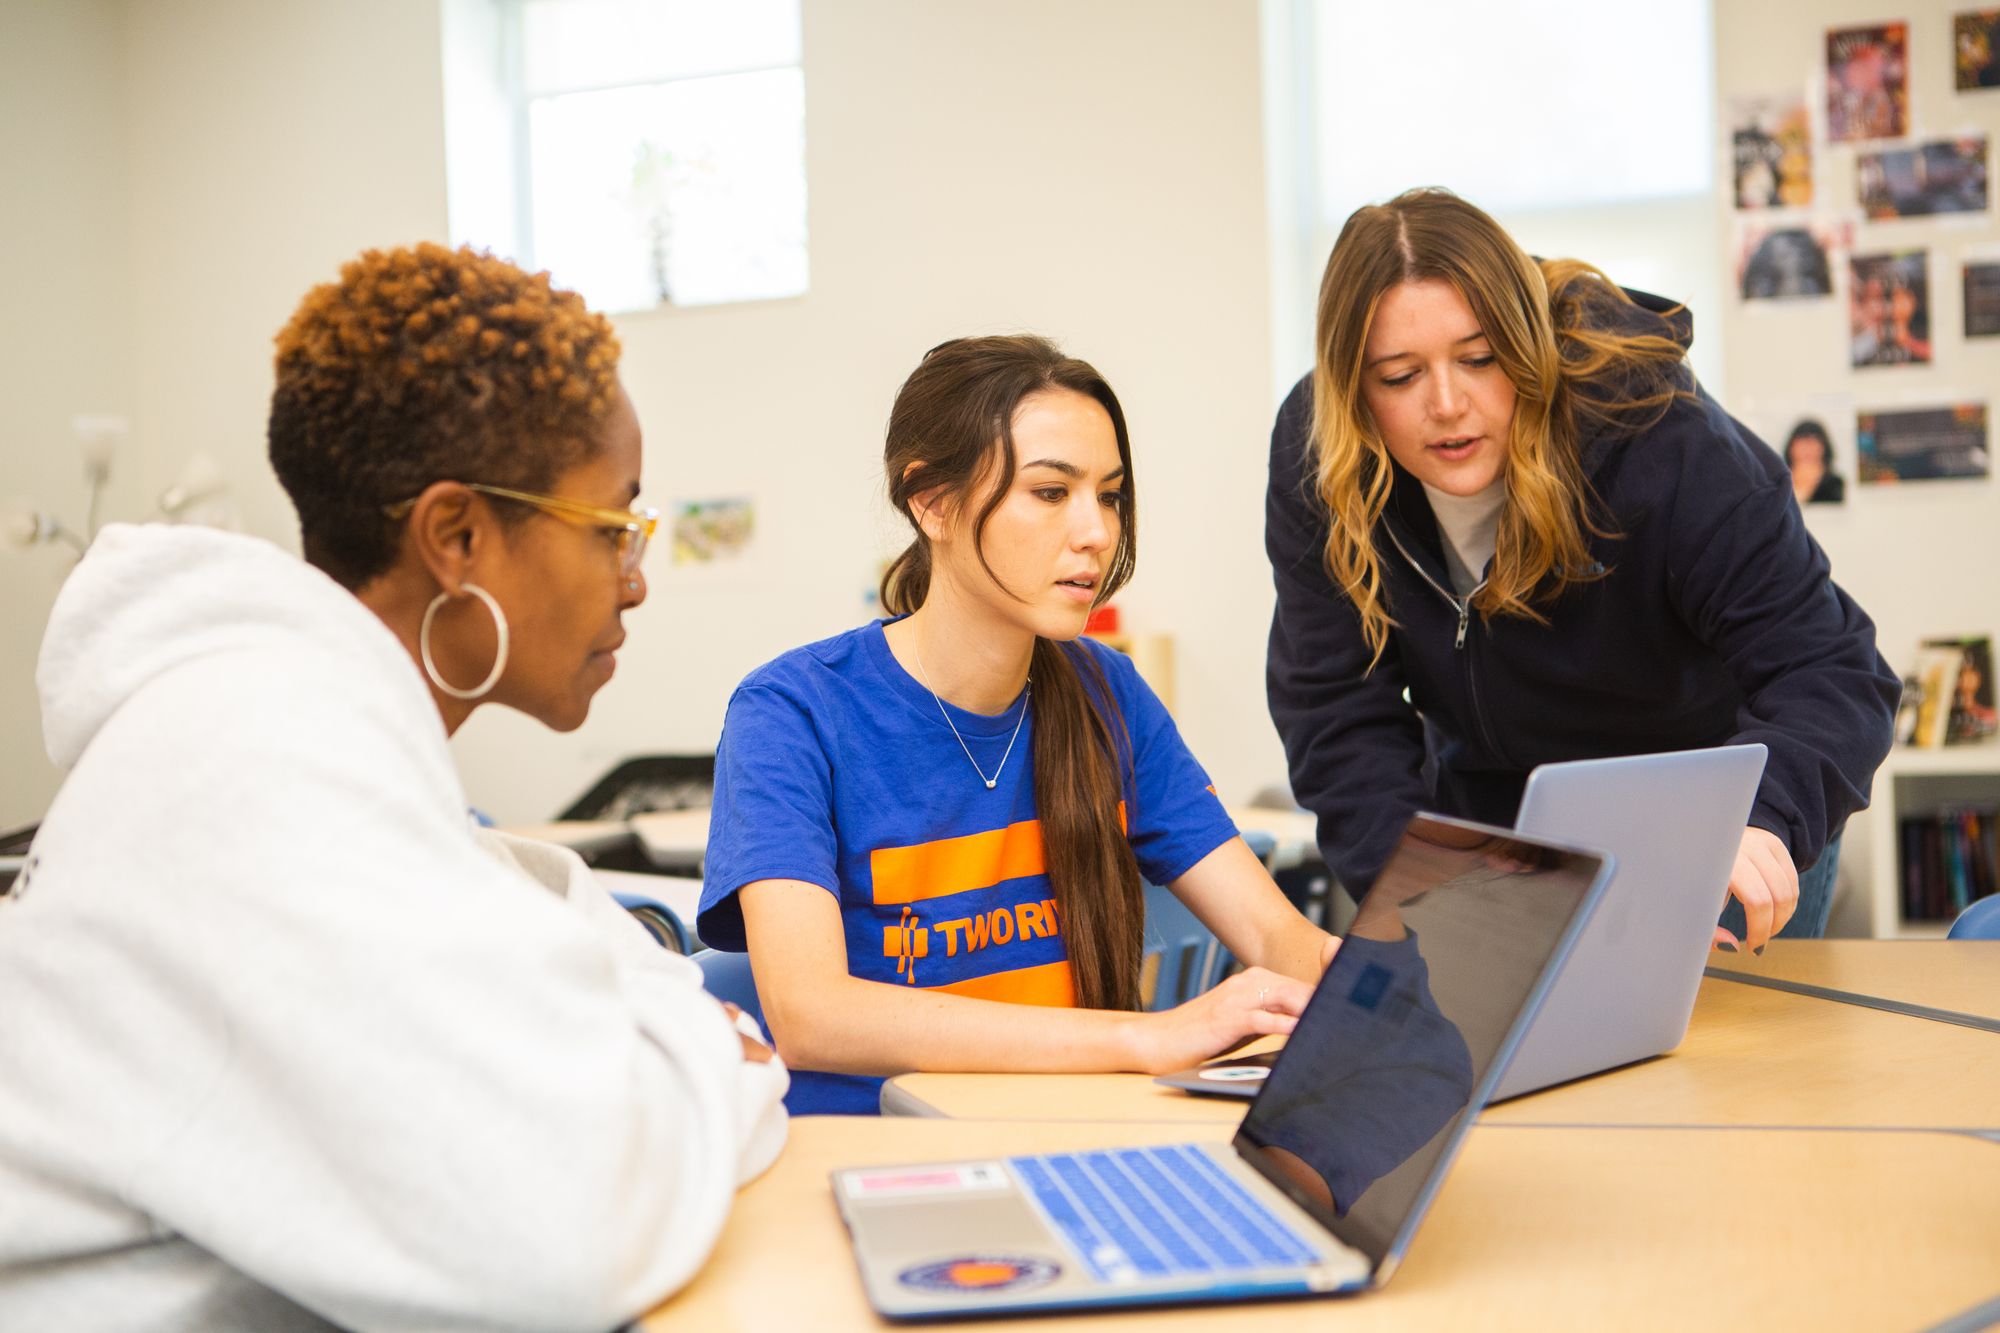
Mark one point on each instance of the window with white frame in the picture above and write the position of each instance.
(645, 152)
(1585, 128)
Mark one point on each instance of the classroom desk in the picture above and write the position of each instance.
(582, 836)
(1533, 1229)
(1958, 975)
(676, 891)
(1752, 1057)
(674, 839)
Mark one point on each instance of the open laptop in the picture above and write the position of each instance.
(1673, 823)
(1336, 1161)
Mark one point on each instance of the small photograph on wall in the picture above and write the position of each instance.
(1889, 309)
(1772, 139)
(1814, 462)
(1814, 435)
(1982, 298)
(1921, 444)
(1868, 82)
(1944, 176)
(1783, 263)
(1975, 38)
(706, 531)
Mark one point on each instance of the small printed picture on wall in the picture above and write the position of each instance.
(1889, 309)
(1772, 141)
(1782, 263)
(1867, 82)
(1982, 299)
(1975, 38)
(1944, 176)
(1813, 460)
(709, 530)
(1922, 444)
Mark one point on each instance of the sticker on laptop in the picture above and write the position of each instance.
(925, 1180)
(1237, 1073)
(984, 1274)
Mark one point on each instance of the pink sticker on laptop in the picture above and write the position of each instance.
(926, 1180)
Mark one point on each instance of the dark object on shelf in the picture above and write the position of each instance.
(647, 783)
(1949, 860)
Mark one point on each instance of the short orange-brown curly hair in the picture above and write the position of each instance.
(426, 364)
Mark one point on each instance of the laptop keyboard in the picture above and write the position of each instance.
(1142, 1213)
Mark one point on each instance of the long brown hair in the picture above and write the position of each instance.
(954, 420)
(1568, 368)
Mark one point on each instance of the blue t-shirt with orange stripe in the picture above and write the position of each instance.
(836, 768)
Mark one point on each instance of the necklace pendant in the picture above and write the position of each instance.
(990, 782)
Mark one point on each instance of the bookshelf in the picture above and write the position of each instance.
(1915, 782)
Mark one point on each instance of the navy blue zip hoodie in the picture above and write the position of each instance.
(1717, 622)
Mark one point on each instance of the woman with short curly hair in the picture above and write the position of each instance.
(295, 1043)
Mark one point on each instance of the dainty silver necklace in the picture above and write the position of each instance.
(1026, 690)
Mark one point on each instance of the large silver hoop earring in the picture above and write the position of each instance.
(480, 690)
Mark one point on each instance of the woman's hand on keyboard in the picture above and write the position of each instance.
(1253, 1003)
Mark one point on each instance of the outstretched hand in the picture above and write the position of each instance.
(1766, 882)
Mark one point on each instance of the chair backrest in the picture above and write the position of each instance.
(727, 976)
(662, 922)
(1182, 956)
(1979, 921)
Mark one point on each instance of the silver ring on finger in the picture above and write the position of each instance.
(1262, 991)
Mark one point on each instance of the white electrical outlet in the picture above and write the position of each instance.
(98, 437)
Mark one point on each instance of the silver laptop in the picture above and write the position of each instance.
(1673, 823)
(1335, 1163)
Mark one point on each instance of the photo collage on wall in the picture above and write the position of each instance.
(1799, 242)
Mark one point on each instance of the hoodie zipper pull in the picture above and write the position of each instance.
(1464, 615)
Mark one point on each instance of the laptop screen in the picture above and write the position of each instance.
(1379, 1076)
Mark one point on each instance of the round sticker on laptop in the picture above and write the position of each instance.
(980, 1273)
(1237, 1073)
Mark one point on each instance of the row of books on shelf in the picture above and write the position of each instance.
(1949, 699)
(1949, 859)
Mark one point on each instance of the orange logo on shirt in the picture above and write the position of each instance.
(906, 943)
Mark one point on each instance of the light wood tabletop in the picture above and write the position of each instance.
(1534, 1229)
(1960, 975)
(582, 836)
(1752, 1056)
(1755, 1056)
(673, 837)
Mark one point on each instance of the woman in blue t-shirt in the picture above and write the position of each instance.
(931, 832)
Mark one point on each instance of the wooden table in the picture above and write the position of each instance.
(1752, 1057)
(1534, 1229)
(1958, 975)
(673, 839)
(582, 836)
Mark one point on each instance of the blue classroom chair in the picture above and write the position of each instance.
(1979, 921)
(1190, 959)
(727, 976)
(661, 921)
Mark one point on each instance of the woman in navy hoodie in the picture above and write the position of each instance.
(1507, 528)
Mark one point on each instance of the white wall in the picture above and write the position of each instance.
(65, 344)
(1922, 559)
(1093, 172)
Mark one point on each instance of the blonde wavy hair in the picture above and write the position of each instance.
(1569, 367)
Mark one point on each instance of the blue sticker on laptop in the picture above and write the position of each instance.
(984, 1273)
